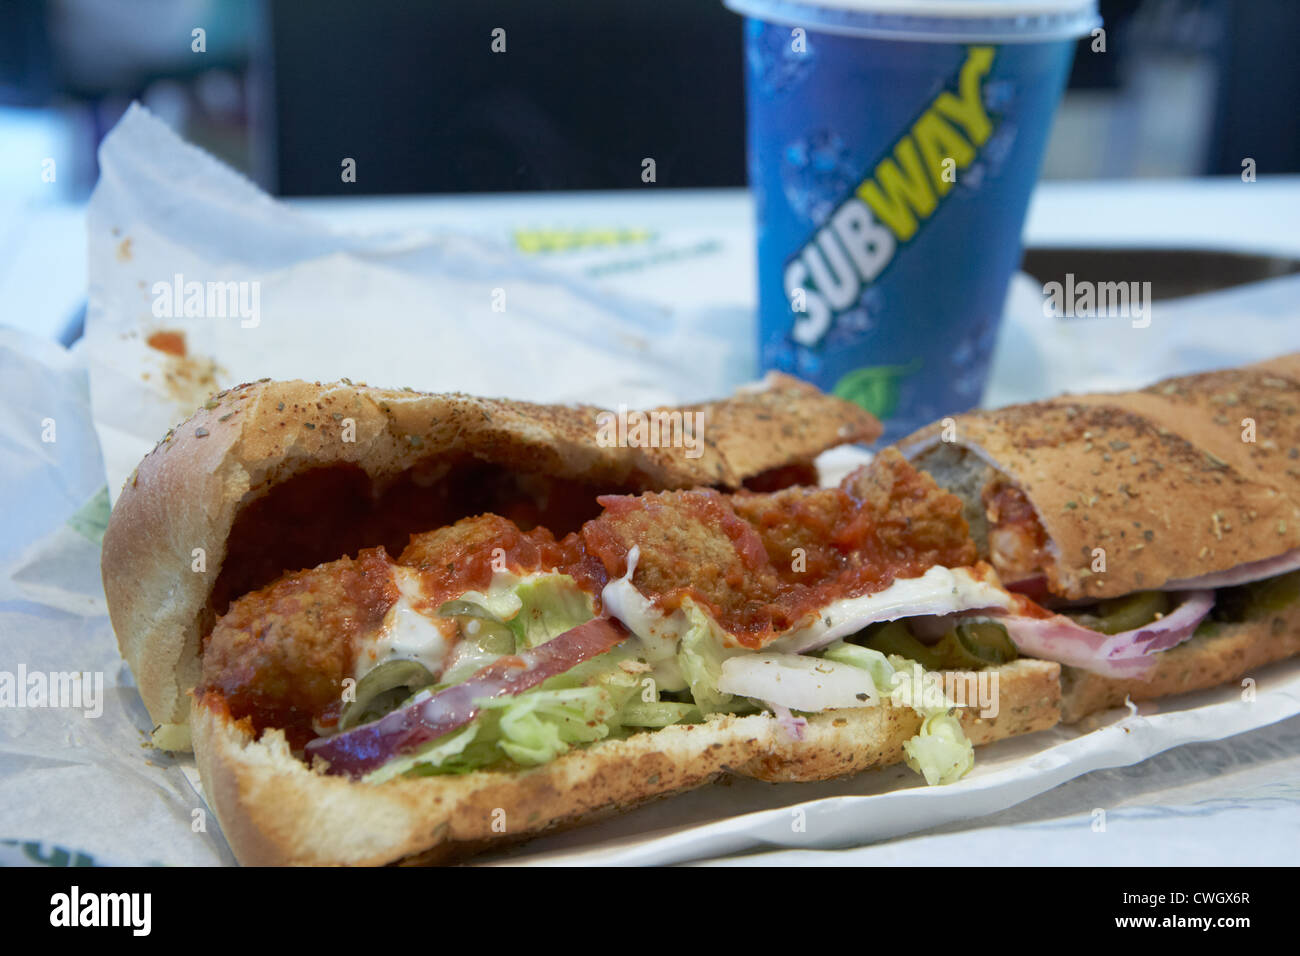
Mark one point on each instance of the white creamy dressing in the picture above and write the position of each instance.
(408, 634)
(798, 682)
(938, 591)
(779, 674)
(657, 633)
(500, 597)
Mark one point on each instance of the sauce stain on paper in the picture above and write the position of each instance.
(190, 379)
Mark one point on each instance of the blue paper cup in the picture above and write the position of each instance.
(893, 147)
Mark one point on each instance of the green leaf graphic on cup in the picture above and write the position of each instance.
(875, 387)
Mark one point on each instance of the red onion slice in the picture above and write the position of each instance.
(1241, 574)
(356, 752)
(794, 726)
(1127, 654)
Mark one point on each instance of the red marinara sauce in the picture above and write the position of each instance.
(762, 564)
(279, 655)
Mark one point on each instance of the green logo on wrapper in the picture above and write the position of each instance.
(91, 519)
(875, 388)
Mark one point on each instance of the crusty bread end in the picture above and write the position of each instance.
(1161, 479)
(1226, 655)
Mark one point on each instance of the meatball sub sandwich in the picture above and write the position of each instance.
(1154, 535)
(404, 627)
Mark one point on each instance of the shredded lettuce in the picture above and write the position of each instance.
(501, 600)
(700, 654)
(660, 713)
(535, 609)
(538, 726)
(428, 759)
(469, 660)
(549, 605)
(940, 751)
(592, 701)
(873, 662)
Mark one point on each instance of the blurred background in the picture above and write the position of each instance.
(1176, 93)
(414, 92)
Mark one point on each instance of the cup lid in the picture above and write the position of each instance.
(936, 21)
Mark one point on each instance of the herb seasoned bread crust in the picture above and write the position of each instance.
(1192, 475)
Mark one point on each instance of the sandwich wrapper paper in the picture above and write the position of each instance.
(81, 785)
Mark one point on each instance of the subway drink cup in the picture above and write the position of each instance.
(893, 146)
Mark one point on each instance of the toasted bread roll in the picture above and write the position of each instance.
(1190, 476)
(274, 810)
(277, 476)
